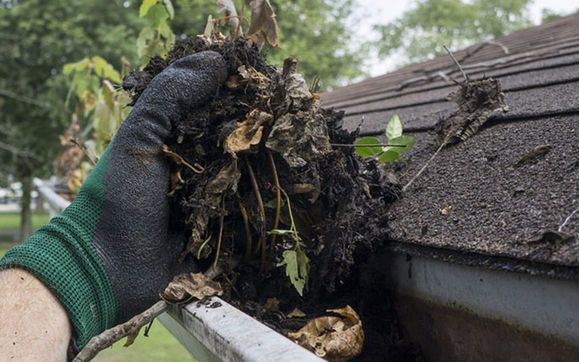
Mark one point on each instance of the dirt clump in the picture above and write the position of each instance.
(265, 196)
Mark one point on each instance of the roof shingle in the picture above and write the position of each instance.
(493, 205)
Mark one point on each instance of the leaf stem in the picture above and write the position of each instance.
(424, 167)
(277, 195)
(220, 236)
(245, 218)
(368, 145)
(261, 208)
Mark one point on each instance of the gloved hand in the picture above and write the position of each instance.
(113, 250)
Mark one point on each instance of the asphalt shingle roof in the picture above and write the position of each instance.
(494, 203)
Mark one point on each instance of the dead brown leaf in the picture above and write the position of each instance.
(445, 209)
(191, 285)
(228, 8)
(226, 180)
(263, 26)
(249, 74)
(335, 338)
(247, 133)
(296, 313)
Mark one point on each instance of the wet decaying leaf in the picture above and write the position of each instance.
(336, 337)
(247, 133)
(227, 7)
(192, 285)
(264, 145)
(476, 100)
(263, 27)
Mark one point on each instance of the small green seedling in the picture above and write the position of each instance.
(372, 146)
(296, 262)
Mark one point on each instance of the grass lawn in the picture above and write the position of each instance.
(159, 346)
(11, 220)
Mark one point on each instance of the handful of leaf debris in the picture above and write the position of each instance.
(264, 194)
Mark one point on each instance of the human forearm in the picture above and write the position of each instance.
(35, 326)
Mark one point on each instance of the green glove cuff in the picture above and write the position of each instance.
(61, 254)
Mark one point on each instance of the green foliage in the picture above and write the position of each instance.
(371, 146)
(548, 15)
(156, 38)
(91, 80)
(297, 268)
(422, 31)
(37, 39)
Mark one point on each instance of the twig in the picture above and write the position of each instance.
(220, 236)
(456, 62)
(245, 218)
(423, 167)
(567, 219)
(110, 336)
(132, 326)
(178, 159)
(84, 150)
(23, 99)
(365, 145)
(17, 151)
(203, 247)
(261, 208)
(277, 195)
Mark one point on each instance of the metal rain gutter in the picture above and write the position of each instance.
(464, 312)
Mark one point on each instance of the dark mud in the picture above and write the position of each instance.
(338, 200)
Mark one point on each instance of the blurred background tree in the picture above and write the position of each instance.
(37, 38)
(420, 32)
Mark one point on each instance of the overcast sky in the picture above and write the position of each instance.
(384, 11)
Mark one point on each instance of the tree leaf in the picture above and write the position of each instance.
(367, 151)
(146, 5)
(263, 25)
(103, 69)
(297, 267)
(191, 285)
(336, 337)
(388, 156)
(157, 15)
(394, 127)
(169, 7)
(406, 141)
(76, 67)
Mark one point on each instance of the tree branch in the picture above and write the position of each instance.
(23, 99)
(110, 336)
(17, 151)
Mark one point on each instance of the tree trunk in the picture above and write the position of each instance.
(25, 212)
(40, 205)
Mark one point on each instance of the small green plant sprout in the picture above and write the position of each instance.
(295, 260)
(398, 143)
